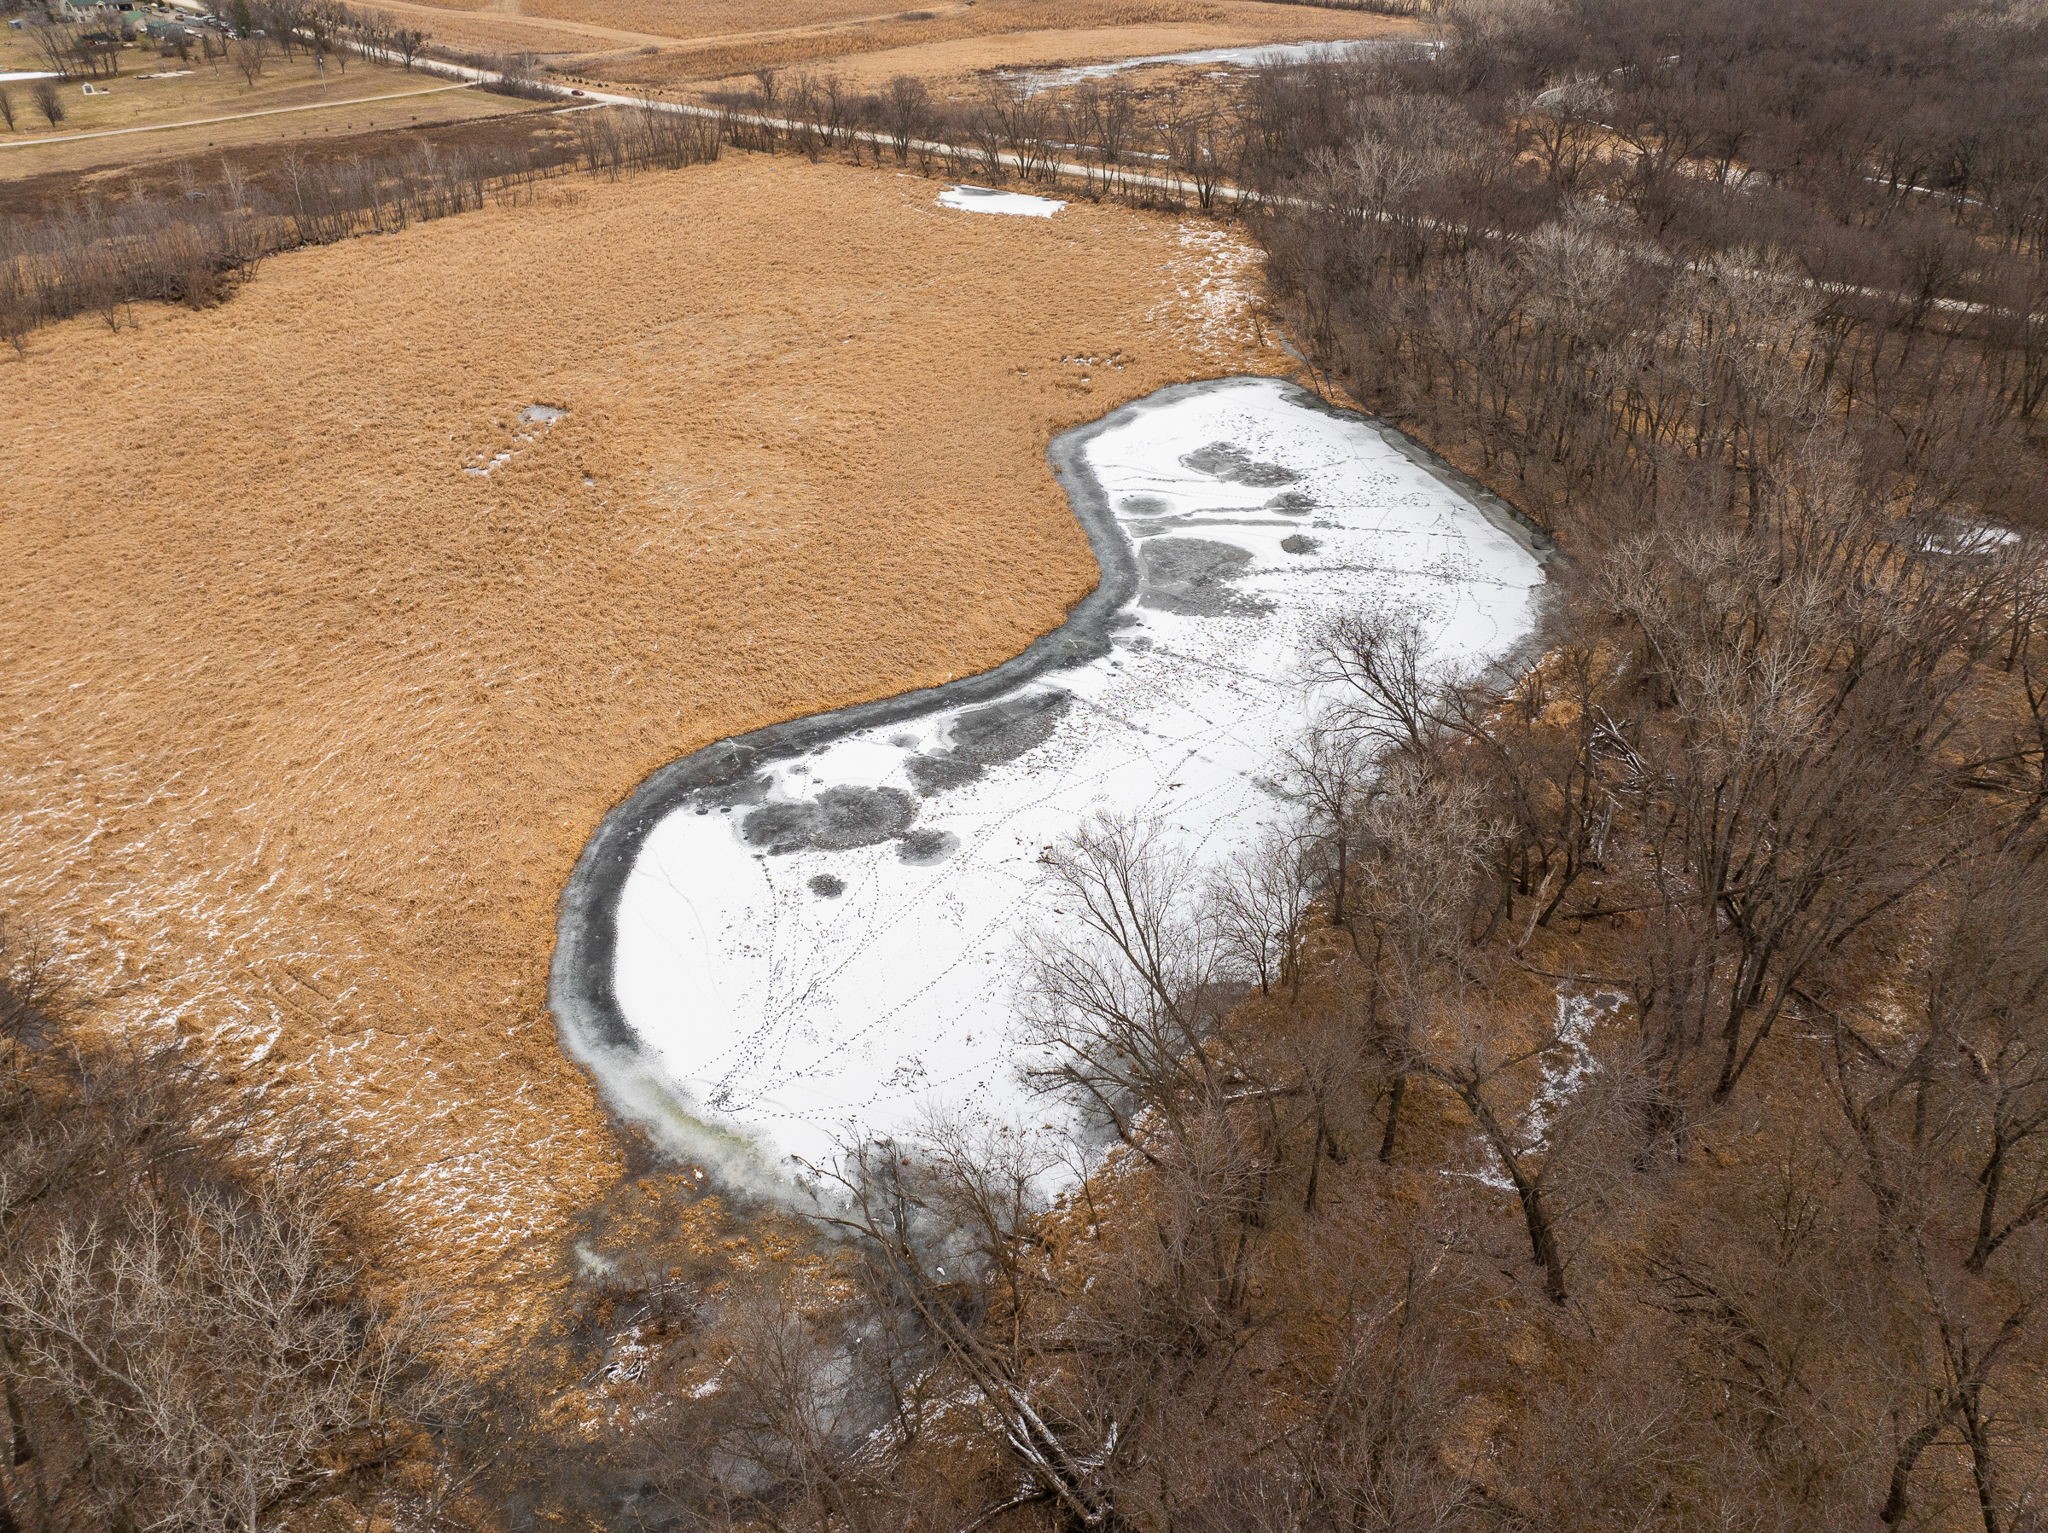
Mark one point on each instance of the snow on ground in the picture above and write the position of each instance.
(836, 941)
(1952, 535)
(1215, 281)
(1566, 1067)
(9, 76)
(534, 422)
(986, 199)
(1032, 82)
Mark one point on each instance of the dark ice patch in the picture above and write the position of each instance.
(1293, 503)
(737, 791)
(1143, 505)
(935, 774)
(1003, 731)
(979, 738)
(837, 820)
(1225, 460)
(922, 848)
(1192, 576)
(826, 887)
(1297, 543)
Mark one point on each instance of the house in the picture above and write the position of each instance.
(81, 13)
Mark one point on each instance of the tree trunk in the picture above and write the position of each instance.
(1896, 1498)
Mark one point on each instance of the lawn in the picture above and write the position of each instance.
(287, 99)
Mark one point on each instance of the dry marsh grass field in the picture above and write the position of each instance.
(658, 44)
(203, 106)
(305, 723)
(998, 34)
(961, 66)
(698, 18)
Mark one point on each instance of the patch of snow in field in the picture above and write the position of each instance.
(1214, 281)
(1032, 82)
(8, 77)
(835, 941)
(534, 422)
(1567, 1065)
(986, 199)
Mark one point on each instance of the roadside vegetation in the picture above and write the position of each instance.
(160, 68)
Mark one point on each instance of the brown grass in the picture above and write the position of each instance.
(587, 27)
(1008, 33)
(654, 43)
(700, 18)
(303, 727)
(959, 66)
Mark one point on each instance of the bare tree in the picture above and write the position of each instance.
(1129, 988)
(57, 46)
(903, 1209)
(185, 1341)
(906, 109)
(1426, 841)
(1259, 901)
(248, 55)
(213, 1351)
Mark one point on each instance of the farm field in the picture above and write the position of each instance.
(329, 654)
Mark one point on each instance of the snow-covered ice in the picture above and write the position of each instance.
(832, 941)
(1032, 82)
(986, 199)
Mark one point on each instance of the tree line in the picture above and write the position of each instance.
(192, 241)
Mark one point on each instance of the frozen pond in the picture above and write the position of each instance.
(986, 199)
(816, 927)
(1033, 82)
